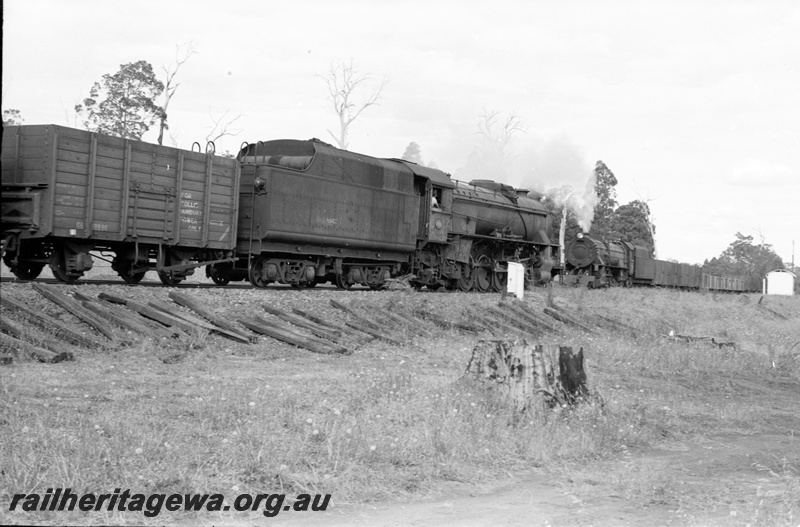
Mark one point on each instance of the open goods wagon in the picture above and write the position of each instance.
(66, 192)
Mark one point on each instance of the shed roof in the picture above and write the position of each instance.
(783, 271)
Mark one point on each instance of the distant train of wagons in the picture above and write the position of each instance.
(288, 212)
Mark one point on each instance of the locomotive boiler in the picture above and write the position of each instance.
(495, 224)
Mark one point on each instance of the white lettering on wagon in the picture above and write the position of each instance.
(190, 212)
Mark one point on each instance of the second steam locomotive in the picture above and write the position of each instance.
(598, 263)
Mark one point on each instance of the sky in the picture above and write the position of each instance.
(694, 105)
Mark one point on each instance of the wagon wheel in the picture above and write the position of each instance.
(342, 282)
(304, 285)
(499, 281)
(467, 280)
(125, 270)
(219, 273)
(256, 273)
(481, 271)
(169, 278)
(28, 270)
(58, 265)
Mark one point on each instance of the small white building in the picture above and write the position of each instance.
(779, 282)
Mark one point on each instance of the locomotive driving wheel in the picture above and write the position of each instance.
(499, 281)
(482, 272)
(467, 279)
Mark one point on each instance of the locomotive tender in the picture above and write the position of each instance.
(287, 211)
(594, 262)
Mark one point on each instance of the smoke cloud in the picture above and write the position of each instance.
(557, 168)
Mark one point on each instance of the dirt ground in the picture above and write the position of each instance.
(723, 465)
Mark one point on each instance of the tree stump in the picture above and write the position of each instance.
(526, 370)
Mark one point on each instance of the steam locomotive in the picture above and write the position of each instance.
(594, 262)
(286, 211)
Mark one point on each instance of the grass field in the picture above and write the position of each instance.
(401, 422)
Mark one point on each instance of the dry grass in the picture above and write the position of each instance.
(390, 423)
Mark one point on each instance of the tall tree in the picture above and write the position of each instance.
(170, 86)
(605, 183)
(413, 153)
(742, 257)
(12, 117)
(345, 85)
(123, 104)
(631, 223)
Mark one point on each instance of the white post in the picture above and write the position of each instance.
(516, 279)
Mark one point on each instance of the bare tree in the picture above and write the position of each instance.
(170, 86)
(222, 127)
(493, 154)
(344, 82)
(499, 137)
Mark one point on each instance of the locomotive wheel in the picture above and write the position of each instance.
(28, 270)
(169, 278)
(467, 280)
(482, 274)
(342, 282)
(256, 273)
(499, 281)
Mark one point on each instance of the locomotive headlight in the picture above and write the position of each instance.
(580, 235)
(259, 183)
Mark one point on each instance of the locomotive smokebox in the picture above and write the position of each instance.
(585, 251)
(581, 252)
